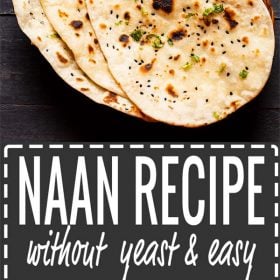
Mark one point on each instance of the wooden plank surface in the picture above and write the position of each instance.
(95, 123)
(6, 7)
(36, 105)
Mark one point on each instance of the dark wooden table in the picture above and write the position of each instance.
(36, 105)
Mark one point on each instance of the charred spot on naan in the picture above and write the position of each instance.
(250, 3)
(84, 89)
(245, 40)
(127, 16)
(103, 26)
(90, 49)
(171, 90)
(61, 58)
(229, 16)
(124, 39)
(177, 57)
(87, 17)
(76, 24)
(172, 72)
(196, 5)
(178, 34)
(62, 14)
(147, 67)
(164, 5)
(111, 98)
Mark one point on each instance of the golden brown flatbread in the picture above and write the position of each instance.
(35, 25)
(188, 63)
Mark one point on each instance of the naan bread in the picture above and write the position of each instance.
(188, 63)
(35, 25)
(71, 22)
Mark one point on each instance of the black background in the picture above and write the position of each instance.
(36, 105)
(19, 236)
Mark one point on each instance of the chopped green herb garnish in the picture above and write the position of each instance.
(187, 66)
(144, 12)
(54, 35)
(195, 57)
(156, 43)
(243, 74)
(222, 68)
(137, 35)
(216, 9)
(170, 42)
(216, 116)
(189, 15)
(118, 23)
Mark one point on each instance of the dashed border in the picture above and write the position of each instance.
(276, 211)
(141, 146)
(275, 148)
(5, 224)
(5, 210)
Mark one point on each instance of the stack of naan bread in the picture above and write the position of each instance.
(182, 62)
